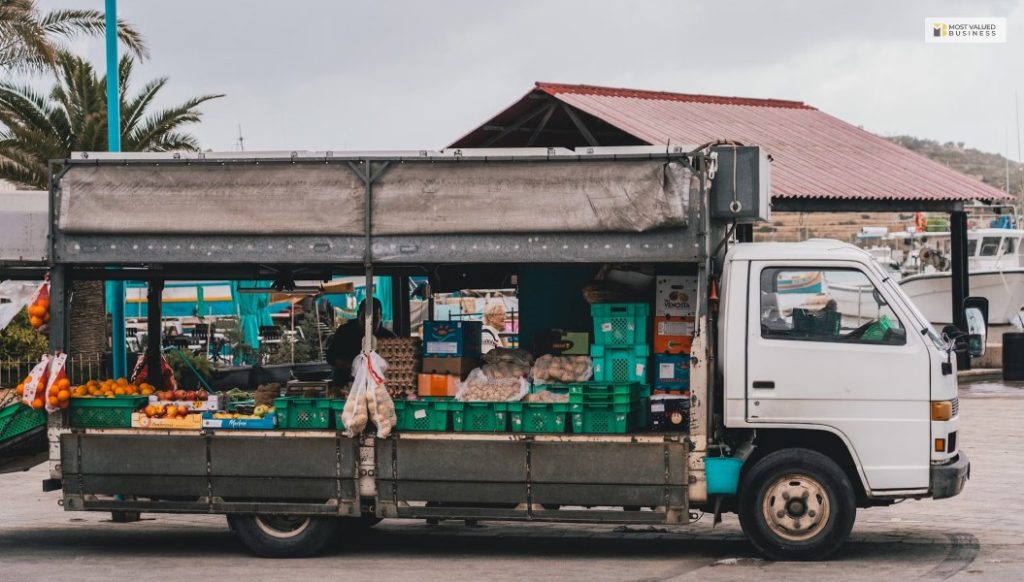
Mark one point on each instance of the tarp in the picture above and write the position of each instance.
(469, 196)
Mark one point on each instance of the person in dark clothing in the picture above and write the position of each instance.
(347, 342)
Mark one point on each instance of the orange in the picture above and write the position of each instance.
(35, 321)
(35, 310)
(122, 381)
(53, 401)
(63, 396)
(37, 403)
(46, 317)
(63, 383)
(20, 390)
(65, 404)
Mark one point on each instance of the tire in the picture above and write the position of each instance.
(281, 536)
(796, 504)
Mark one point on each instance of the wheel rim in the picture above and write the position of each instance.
(282, 526)
(795, 507)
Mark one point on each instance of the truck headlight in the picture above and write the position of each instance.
(943, 409)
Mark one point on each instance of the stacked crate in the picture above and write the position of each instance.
(616, 400)
(674, 320)
(451, 349)
(404, 358)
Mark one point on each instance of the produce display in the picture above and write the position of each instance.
(39, 310)
(110, 389)
(257, 412)
(546, 396)
(479, 388)
(551, 369)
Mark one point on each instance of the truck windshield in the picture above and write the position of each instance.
(927, 328)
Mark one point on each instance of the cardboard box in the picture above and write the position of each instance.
(438, 385)
(673, 335)
(460, 367)
(266, 423)
(211, 403)
(669, 413)
(676, 296)
(188, 422)
(672, 371)
(452, 338)
(561, 343)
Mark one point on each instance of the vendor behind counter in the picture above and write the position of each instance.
(347, 342)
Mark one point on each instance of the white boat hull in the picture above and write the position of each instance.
(1004, 290)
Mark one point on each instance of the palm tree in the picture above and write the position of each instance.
(35, 128)
(31, 40)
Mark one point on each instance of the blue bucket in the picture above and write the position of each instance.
(723, 474)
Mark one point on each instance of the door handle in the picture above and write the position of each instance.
(764, 384)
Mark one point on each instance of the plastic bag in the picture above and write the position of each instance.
(368, 399)
(34, 393)
(562, 369)
(15, 296)
(479, 388)
(141, 373)
(39, 310)
(58, 388)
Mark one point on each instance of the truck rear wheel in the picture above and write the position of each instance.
(283, 536)
(796, 504)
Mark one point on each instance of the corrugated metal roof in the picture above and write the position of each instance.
(815, 155)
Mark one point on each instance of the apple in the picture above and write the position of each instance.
(202, 395)
(182, 410)
(190, 395)
(180, 394)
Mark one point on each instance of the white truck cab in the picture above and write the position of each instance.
(822, 352)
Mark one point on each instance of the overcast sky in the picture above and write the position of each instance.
(321, 74)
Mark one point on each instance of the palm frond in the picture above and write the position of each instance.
(150, 130)
(71, 23)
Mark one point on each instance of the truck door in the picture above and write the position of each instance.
(827, 346)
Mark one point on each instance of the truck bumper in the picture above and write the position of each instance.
(948, 479)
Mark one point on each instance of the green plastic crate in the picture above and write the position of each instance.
(620, 324)
(18, 419)
(602, 393)
(337, 407)
(553, 388)
(538, 417)
(620, 364)
(427, 414)
(105, 412)
(601, 418)
(480, 416)
(303, 413)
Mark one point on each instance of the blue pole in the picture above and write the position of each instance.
(115, 289)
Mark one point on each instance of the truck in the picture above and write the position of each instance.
(824, 408)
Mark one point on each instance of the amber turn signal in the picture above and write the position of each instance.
(940, 445)
(942, 410)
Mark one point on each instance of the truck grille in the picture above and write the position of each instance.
(956, 407)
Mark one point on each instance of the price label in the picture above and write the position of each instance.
(420, 414)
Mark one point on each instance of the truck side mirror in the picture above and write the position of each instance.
(959, 340)
(977, 331)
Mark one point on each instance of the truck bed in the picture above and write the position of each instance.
(638, 478)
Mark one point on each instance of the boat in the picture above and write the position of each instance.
(995, 265)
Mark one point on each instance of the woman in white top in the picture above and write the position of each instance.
(494, 324)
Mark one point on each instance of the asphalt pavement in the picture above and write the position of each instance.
(978, 535)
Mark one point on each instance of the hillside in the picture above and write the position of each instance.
(987, 167)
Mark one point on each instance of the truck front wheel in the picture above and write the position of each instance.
(796, 504)
(283, 536)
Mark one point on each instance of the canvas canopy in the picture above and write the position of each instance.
(464, 197)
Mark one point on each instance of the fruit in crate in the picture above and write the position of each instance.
(109, 389)
(259, 412)
(166, 411)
